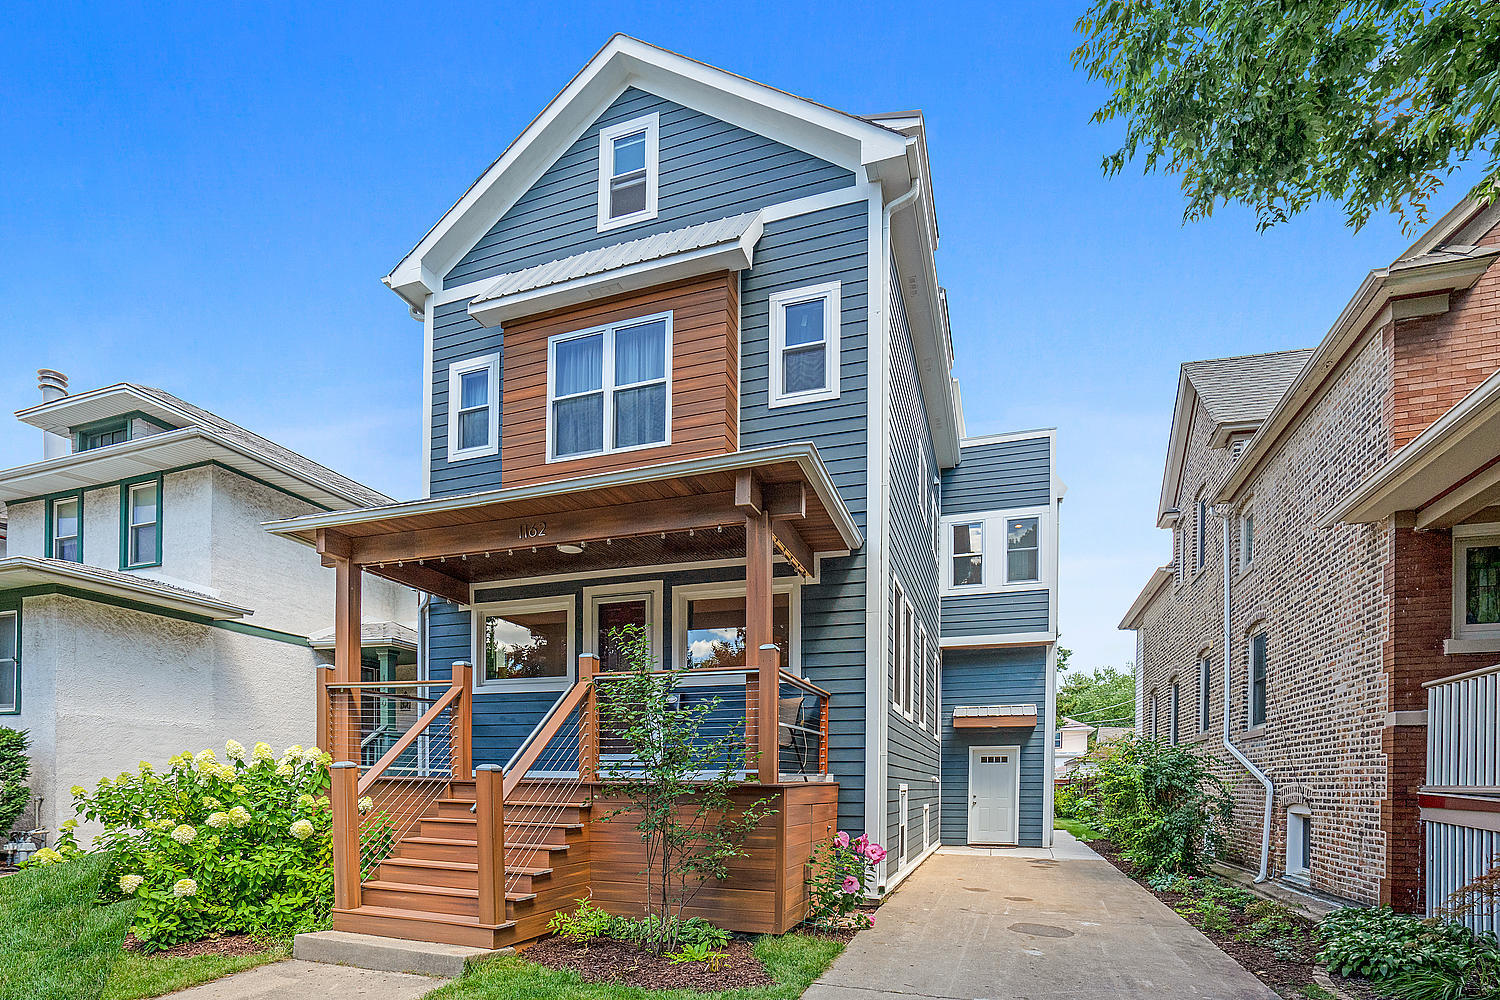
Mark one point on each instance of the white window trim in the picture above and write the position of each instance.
(52, 519)
(1247, 539)
(607, 136)
(1200, 535)
(696, 591)
(830, 294)
(1174, 711)
(1301, 870)
(608, 386)
(1465, 537)
(456, 371)
(919, 673)
(618, 593)
(908, 650)
(898, 641)
(903, 824)
(996, 554)
(563, 602)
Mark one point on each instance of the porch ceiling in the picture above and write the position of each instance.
(677, 512)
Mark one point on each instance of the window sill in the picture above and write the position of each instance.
(464, 456)
(1254, 732)
(1459, 646)
(1196, 738)
(820, 396)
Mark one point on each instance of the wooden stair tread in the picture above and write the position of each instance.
(401, 913)
(470, 866)
(520, 845)
(442, 890)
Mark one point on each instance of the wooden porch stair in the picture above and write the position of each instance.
(428, 888)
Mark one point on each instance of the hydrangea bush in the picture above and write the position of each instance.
(841, 870)
(210, 847)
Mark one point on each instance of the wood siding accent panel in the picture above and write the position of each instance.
(704, 398)
(766, 890)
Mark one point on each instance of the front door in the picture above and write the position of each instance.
(994, 788)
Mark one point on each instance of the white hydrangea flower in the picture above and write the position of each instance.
(306, 801)
(209, 802)
(284, 770)
(185, 887)
(301, 829)
(184, 834)
(46, 856)
(206, 757)
(366, 804)
(130, 883)
(234, 750)
(239, 816)
(78, 790)
(218, 820)
(263, 751)
(240, 790)
(70, 824)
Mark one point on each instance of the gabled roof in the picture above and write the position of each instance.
(1154, 584)
(856, 143)
(1236, 392)
(198, 435)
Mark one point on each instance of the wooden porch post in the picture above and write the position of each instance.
(588, 719)
(345, 722)
(345, 834)
(461, 721)
(489, 814)
(758, 612)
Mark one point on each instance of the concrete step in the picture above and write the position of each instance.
(387, 954)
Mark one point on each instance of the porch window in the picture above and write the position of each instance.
(716, 630)
(1022, 550)
(608, 389)
(140, 520)
(1257, 679)
(525, 645)
(474, 408)
(10, 663)
(628, 168)
(804, 345)
(65, 531)
(968, 554)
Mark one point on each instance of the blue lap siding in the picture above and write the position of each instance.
(995, 614)
(999, 475)
(994, 677)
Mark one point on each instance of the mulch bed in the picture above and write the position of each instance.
(229, 945)
(1287, 976)
(605, 961)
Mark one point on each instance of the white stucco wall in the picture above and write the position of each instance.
(24, 530)
(124, 686)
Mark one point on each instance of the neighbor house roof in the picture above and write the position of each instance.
(1244, 388)
(18, 572)
(373, 634)
(1154, 584)
(197, 436)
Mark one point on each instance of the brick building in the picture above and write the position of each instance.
(1353, 483)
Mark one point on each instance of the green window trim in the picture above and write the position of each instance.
(87, 437)
(10, 619)
(153, 556)
(49, 506)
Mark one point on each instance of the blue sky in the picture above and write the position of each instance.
(205, 197)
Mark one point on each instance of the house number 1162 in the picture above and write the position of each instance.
(532, 529)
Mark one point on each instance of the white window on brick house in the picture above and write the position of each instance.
(1205, 679)
(1476, 582)
(1174, 706)
(1256, 715)
(1154, 730)
(1247, 539)
(1298, 842)
(1200, 534)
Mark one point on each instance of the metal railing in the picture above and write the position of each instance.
(1461, 798)
(1463, 731)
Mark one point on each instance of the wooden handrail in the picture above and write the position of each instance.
(693, 672)
(523, 761)
(808, 686)
(400, 746)
(340, 686)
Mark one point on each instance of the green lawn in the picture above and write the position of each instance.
(55, 944)
(793, 960)
(1080, 830)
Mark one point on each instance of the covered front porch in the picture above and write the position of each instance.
(476, 817)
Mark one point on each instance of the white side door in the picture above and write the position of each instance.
(994, 794)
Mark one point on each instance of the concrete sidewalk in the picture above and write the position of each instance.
(296, 980)
(980, 924)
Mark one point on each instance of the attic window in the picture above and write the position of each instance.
(627, 172)
(101, 435)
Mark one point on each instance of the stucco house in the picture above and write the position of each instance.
(1327, 626)
(688, 367)
(1070, 742)
(143, 608)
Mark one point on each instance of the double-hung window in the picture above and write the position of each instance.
(1257, 679)
(628, 168)
(474, 407)
(805, 345)
(608, 388)
(1174, 705)
(65, 528)
(968, 554)
(1247, 539)
(1205, 678)
(1200, 536)
(10, 662)
(1023, 550)
(140, 524)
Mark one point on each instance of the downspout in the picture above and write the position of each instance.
(1234, 751)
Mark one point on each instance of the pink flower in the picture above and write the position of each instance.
(851, 884)
(870, 917)
(860, 843)
(841, 839)
(875, 853)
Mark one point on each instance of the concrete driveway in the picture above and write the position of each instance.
(1021, 924)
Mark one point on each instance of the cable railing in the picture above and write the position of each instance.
(544, 780)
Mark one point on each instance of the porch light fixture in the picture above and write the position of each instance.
(568, 548)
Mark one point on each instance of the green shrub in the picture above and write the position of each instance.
(583, 924)
(1381, 944)
(588, 923)
(15, 768)
(1270, 922)
(1159, 804)
(208, 847)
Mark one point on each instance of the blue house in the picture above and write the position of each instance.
(688, 367)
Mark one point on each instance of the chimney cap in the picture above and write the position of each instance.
(48, 378)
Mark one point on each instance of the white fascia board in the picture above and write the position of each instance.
(925, 318)
(735, 255)
(998, 640)
(1154, 585)
(61, 414)
(31, 571)
(1182, 414)
(623, 62)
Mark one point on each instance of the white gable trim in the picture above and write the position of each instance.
(842, 139)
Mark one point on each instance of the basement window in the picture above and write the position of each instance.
(628, 167)
(1298, 843)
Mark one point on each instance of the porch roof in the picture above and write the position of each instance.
(994, 716)
(651, 516)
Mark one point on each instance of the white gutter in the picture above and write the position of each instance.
(1234, 751)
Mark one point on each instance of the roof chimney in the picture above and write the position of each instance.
(54, 385)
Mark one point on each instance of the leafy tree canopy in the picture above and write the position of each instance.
(1106, 696)
(1278, 104)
